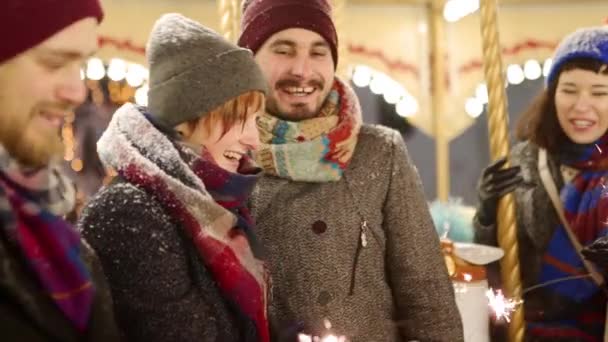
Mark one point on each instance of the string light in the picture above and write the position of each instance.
(516, 74)
(455, 10)
(117, 70)
(362, 76)
(392, 91)
(124, 81)
(473, 107)
(95, 69)
(533, 70)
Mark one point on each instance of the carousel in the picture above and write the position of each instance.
(449, 69)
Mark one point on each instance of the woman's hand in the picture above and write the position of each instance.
(597, 252)
(496, 181)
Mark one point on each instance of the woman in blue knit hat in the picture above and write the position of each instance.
(558, 181)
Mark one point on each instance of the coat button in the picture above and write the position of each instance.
(324, 298)
(319, 227)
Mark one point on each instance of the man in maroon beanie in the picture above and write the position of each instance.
(51, 285)
(341, 209)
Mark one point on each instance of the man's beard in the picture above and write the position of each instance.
(30, 146)
(296, 112)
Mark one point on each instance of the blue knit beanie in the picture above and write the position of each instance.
(589, 42)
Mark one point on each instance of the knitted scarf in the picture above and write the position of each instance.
(31, 205)
(586, 209)
(312, 150)
(187, 185)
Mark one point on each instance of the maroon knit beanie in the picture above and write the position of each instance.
(263, 18)
(27, 23)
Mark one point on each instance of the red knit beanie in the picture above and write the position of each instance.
(27, 23)
(263, 18)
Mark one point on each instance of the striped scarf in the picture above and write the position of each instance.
(312, 150)
(186, 184)
(31, 205)
(585, 205)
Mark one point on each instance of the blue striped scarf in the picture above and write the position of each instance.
(585, 203)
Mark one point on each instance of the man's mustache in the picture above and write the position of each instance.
(291, 82)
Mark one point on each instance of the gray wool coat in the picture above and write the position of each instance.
(162, 291)
(395, 288)
(536, 221)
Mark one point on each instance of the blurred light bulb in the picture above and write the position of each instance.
(141, 95)
(473, 107)
(362, 76)
(407, 106)
(117, 70)
(515, 74)
(95, 69)
(532, 70)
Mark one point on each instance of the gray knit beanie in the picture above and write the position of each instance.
(194, 70)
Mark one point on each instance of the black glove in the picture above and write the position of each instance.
(495, 182)
(597, 253)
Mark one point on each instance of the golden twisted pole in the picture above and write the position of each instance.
(338, 9)
(498, 125)
(229, 11)
(438, 93)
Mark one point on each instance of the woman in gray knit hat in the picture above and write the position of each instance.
(173, 231)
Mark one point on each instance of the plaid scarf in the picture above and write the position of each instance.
(31, 205)
(312, 150)
(586, 209)
(185, 183)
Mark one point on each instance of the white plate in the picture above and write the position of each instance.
(477, 254)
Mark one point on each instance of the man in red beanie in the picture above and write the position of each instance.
(51, 285)
(341, 210)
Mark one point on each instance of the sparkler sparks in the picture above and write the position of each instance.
(324, 338)
(501, 306)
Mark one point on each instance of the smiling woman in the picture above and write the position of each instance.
(564, 146)
(229, 132)
(183, 164)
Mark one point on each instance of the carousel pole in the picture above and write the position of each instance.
(229, 11)
(498, 126)
(438, 93)
(338, 9)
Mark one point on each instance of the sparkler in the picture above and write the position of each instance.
(501, 306)
(324, 338)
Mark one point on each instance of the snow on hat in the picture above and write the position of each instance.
(263, 18)
(194, 70)
(27, 23)
(589, 42)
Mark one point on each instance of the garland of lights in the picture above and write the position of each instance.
(126, 81)
(381, 84)
(516, 74)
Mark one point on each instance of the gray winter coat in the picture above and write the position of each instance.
(158, 281)
(394, 289)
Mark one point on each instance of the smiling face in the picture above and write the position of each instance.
(39, 88)
(581, 102)
(228, 132)
(299, 69)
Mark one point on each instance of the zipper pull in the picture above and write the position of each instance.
(363, 235)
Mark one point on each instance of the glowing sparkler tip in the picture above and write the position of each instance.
(304, 338)
(501, 307)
